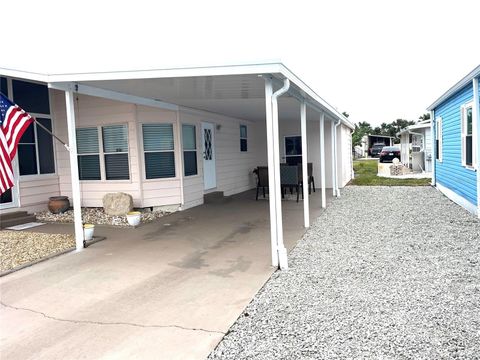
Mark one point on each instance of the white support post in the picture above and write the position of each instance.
(433, 136)
(271, 175)
(77, 210)
(306, 200)
(476, 130)
(333, 143)
(322, 159)
(335, 159)
(276, 191)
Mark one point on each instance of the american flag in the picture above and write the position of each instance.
(13, 123)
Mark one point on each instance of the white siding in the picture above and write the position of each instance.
(292, 128)
(159, 192)
(93, 111)
(234, 168)
(344, 139)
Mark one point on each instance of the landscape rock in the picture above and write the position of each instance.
(117, 203)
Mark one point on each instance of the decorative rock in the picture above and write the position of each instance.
(117, 203)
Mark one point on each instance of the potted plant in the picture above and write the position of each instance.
(133, 218)
(88, 230)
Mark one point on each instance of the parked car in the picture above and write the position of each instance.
(389, 153)
(376, 149)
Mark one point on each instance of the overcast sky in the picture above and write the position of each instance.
(377, 60)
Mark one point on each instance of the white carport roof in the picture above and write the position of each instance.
(233, 90)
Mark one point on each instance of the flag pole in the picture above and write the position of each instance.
(48, 131)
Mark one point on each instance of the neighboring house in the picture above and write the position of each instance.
(369, 140)
(416, 146)
(211, 128)
(456, 126)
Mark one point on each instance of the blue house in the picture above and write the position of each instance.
(456, 142)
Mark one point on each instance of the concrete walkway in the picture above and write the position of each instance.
(167, 290)
(384, 273)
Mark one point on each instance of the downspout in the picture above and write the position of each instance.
(335, 152)
(282, 251)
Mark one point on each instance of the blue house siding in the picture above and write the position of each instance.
(450, 173)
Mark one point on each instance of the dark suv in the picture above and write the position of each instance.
(376, 149)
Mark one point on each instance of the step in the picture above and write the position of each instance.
(12, 215)
(17, 221)
(213, 197)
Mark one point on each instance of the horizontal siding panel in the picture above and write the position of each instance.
(450, 172)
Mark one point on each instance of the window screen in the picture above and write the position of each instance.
(115, 148)
(88, 154)
(189, 150)
(158, 147)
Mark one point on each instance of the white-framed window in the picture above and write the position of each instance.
(103, 152)
(439, 139)
(243, 138)
(35, 148)
(189, 141)
(158, 150)
(468, 136)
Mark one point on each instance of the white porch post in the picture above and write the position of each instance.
(334, 144)
(282, 251)
(272, 186)
(72, 141)
(322, 159)
(306, 200)
(433, 137)
(335, 159)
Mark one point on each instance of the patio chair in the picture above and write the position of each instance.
(311, 179)
(289, 178)
(262, 179)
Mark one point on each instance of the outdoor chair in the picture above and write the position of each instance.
(311, 179)
(262, 179)
(289, 178)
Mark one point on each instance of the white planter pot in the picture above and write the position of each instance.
(88, 230)
(134, 218)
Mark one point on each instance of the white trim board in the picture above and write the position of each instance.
(467, 205)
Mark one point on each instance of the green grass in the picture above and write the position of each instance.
(366, 175)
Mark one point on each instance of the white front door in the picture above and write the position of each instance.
(208, 141)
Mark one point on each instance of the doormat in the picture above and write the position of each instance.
(25, 226)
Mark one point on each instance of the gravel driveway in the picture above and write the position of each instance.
(390, 273)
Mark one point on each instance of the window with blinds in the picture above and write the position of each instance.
(112, 147)
(189, 150)
(158, 148)
(115, 150)
(88, 150)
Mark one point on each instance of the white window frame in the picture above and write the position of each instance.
(37, 154)
(101, 154)
(175, 149)
(463, 125)
(439, 137)
(190, 150)
(285, 156)
(243, 138)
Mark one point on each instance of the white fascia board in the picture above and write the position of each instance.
(27, 75)
(169, 73)
(314, 96)
(112, 95)
(465, 81)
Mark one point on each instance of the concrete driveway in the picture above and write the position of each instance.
(167, 290)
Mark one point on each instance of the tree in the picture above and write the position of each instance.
(345, 114)
(425, 116)
(363, 128)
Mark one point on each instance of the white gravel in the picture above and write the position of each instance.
(384, 273)
(97, 216)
